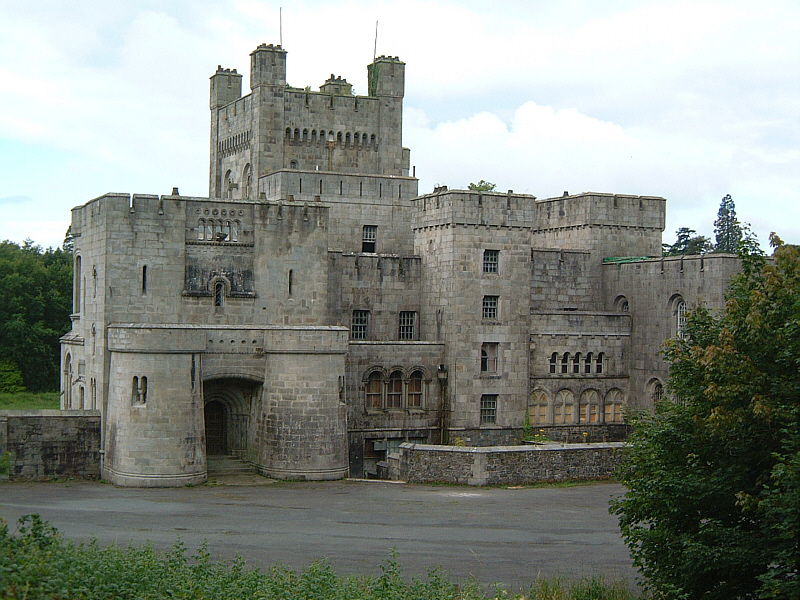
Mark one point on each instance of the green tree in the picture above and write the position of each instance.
(727, 228)
(482, 186)
(687, 242)
(34, 310)
(714, 480)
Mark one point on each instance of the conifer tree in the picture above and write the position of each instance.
(727, 229)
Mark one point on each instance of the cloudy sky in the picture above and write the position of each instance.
(686, 100)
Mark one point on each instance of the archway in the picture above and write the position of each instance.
(227, 407)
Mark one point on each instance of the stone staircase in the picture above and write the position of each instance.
(226, 466)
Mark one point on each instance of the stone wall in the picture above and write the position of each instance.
(51, 444)
(506, 465)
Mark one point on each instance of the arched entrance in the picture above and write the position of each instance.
(227, 408)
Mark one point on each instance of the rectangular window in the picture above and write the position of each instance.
(490, 307)
(489, 357)
(408, 325)
(369, 238)
(491, 259)
(360, 326)
(488, 409)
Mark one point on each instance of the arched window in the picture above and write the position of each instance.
(576, 363)
(219, 293)
(235, 226)
(415, 389)
(373, 390)
(565, 363)
(680, 319)
(599, 364)
(394, 390)
(76, 300)
(226, 231)
(553, 362)
(589, 406)
(138, 391)
(247, 180)
(656, 389)
(293, 164)
(66, 385)
(587, 364)
(563, 407)
(612, 410)
(621, 304)
(538, 407)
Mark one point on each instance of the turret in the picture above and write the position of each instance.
(267, 66)
(226, 86)
(387, 77)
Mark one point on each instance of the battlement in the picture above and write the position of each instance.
(336, 85)
(466, 207)
(593, 208)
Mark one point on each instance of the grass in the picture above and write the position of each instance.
(36, 562)
(29, 401)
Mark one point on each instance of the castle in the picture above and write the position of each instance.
(315, 311)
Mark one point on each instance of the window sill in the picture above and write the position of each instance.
(491, 376)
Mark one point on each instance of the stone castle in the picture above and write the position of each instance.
(316, 311)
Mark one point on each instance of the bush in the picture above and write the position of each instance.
(36, 563)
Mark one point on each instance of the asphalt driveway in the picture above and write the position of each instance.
(494, 535)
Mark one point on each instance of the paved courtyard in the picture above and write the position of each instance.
(504, 535)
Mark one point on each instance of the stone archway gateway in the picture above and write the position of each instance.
(228, 404)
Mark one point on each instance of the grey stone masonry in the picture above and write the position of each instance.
(508, 465)
(315, 312)
(51, 444)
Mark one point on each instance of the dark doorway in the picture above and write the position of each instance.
(216, 430)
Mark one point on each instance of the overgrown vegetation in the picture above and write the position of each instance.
(36, 563)
(29, 401)
(714, 478)
(34, 313)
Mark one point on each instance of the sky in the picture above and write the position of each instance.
(685, 100)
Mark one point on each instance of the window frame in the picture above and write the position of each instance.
(490, 354)
(488, 415)
(491, 261)
(359, 330)
(490, 307)
(407, 331)
(369, 239)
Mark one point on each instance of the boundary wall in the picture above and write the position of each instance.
(505, 465)
(51, 444)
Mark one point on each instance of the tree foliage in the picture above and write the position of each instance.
(34, 311)
(482, 186)
(727, 229)
(688, 242)
(714, 480)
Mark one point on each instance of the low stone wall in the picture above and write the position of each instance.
(51, 444)
(506, 465)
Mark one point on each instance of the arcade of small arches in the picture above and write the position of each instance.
(396, 388)
(343, 139)
(575, 364)
(218, 230)
(562, 408)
